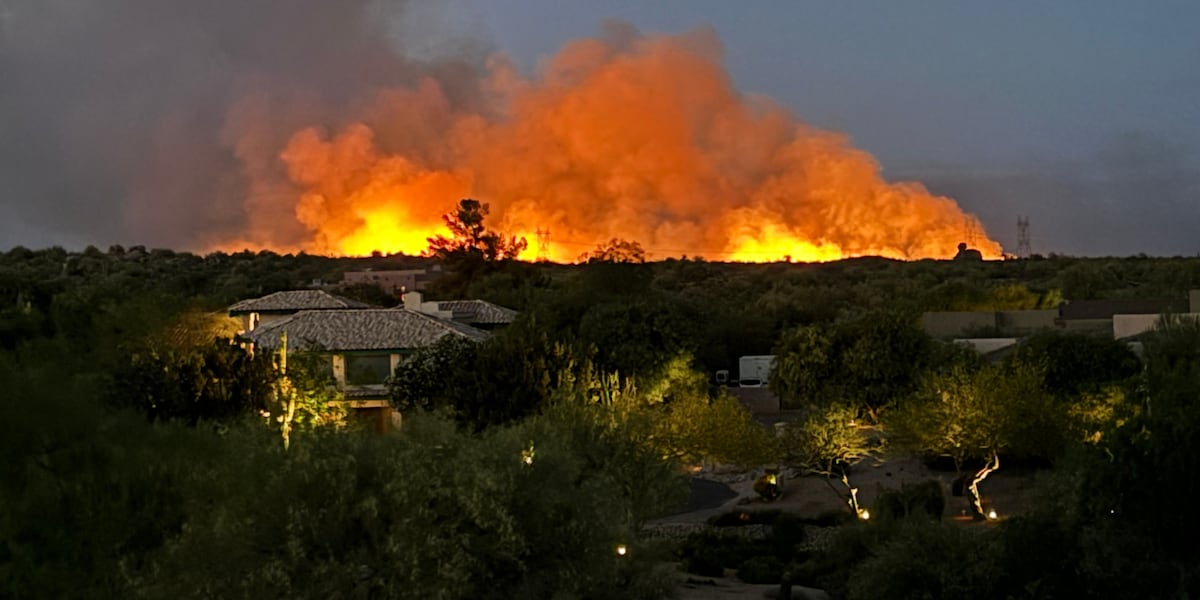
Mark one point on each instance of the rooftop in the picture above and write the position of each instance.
(361, 329)
(293, 301)
(480, 312)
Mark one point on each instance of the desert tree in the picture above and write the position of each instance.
(828, 442)
(975, 415)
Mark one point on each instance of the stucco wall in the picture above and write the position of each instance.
(957, 324)
(1024, 322)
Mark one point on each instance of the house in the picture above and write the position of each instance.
(1099, 317)
(393, 282)
(363, 348)
(258, 312)
(989, 323)
(480, 314)
(996, 334)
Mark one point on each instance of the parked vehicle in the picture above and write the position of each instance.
(753, 371)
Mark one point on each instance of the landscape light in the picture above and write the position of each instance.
(622, 550)
(992, 516)
(527, 454)
(864, 514)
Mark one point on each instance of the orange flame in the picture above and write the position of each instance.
(625, 136)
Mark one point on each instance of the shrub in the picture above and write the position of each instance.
(725, 551)
(705, 562)
(926, 560)
(924, 499)
(761, 569)
(787, 532)
(744, 517)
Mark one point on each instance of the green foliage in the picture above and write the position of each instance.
(709, 554)
(1075, 364)
(966, 415)
(913, 500)
(218, 382)
(635, 337)
(761, 569)
(874, 359)
(828, 441)
(717, 430)
(927, 560)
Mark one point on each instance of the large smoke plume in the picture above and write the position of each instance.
(351, 126)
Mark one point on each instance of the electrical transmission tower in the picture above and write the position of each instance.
(1024, 248)
(543, 242)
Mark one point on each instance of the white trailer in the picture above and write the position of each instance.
(753, 371)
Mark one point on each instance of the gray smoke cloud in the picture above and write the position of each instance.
(145, 121)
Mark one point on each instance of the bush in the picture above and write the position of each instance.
(924, 499)
(744, 517)
(787, 532)
(928, 561)
(761, 569)
(705, 562)
(725, 551)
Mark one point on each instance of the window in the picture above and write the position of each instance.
(368, 369)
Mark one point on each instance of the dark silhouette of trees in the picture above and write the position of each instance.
(471, 239)
(615, 251)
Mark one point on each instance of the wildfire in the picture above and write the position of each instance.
(627, 136)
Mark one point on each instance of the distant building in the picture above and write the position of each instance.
(1119, 319)
(392, 282)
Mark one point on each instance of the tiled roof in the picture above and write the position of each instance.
(361, 329)
(295, 300)
(478, 312)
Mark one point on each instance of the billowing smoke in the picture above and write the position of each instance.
(301, 124)
(161, 121)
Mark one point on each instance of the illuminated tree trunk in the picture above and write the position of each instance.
(992, 465)
(287, 394)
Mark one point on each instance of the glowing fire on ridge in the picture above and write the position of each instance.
(641, 138)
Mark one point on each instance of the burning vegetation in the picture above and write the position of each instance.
(624, 135)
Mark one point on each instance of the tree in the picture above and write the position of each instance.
(305, 396)
(615, 251)
(828, 443)
(713, 430)
(975, 415)
(218, 382)
(470, 238)
(872, 360)
(1075, 364)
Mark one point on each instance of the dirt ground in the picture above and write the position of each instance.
(1007, 491)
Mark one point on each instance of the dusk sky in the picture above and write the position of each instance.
(1083, 116)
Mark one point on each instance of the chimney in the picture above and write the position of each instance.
(412, 301)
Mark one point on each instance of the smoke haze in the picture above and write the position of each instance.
(157, 121)
(344, 127)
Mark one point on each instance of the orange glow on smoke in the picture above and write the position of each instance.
(641, 138)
